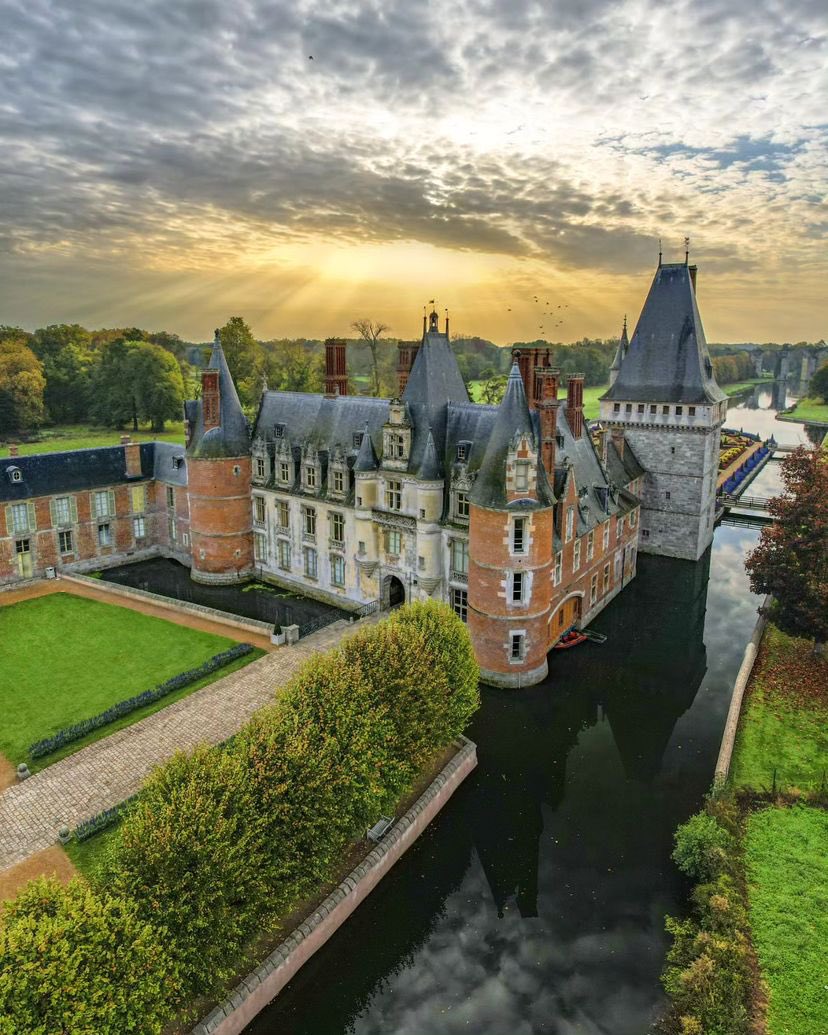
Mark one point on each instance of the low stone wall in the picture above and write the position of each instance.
(735, 710)
(181, 606)
(255, 991)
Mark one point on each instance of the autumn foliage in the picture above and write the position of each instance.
(791, 560)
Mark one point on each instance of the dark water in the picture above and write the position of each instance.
(536, 901)
(268, 604)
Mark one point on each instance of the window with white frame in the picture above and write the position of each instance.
(311, 562)
(65, 541)
(606, 577)
(310, 476)
(461, 505)
(558, 576)
(633, 518)
(105, 534)
(261, 469)
(337, 521)
(517, 646)
(171, 497)
(576, 555)
(283, 514)
(619, 565)
(518, 587)
(259, 512)
(396, 446)
(394, 542)
(172, 528)
(62, 511)
(284, 472)
(337, 569)
(570, 523)
(459, 557)
(103, 502)
(590, 545)
(521, 476)
(309, 515)
(139, 529)
(22, 515)
(260, 546)
(283, 553)
(393, 495)
(460, 603)
(619, 527)
(338, 481)
(519, 542)
(606, 535)
(593, 589)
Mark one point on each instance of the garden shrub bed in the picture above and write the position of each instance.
(225, 843)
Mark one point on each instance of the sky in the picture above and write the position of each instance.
(171, 163)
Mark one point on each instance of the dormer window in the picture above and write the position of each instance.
(310, 476)
(521, 476)
(338, 481)
(177, 462)
(357, 439)
(396, 446)
(15, 474)
(461, 505)
(284, 472)
(279, 430)
(463, 451)
(260, 467)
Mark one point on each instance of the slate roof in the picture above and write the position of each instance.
(321, 421)
(51, 474)
(622, 469)
(164, 469)
(433, 383)
(232, 436)
(430, 469)
(667, 359)
(366, 459)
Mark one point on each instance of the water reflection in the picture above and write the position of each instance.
(535, 902)
(756, 410)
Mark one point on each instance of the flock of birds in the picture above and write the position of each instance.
(557, 317)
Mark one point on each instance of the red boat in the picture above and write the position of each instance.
(570, 639)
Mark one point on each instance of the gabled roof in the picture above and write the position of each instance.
(667, 359)
(622, 469)
(51, 474)
(232, 436)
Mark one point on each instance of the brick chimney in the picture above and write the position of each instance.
(693, 271)
(336, 370)
(406, 354)
(618, 440)
(14, 451)
(575, 404)
(548, 413)
(132, 457)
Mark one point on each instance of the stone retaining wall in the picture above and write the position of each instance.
(735, 710)
(182, 606)
(254, 992)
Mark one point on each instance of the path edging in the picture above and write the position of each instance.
(742, 677)
(254, 992)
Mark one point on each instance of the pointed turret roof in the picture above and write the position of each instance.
(366, 457)
(430, 470)
(232, 436)
(667, 359)
(623, 345)
(513, 419)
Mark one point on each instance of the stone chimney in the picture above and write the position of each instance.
(548, 413)
(336, 370)
(406, 354)
(618, 440)
(693, 271)
(14, 451)
(132, 457)
(602, 444)
(531, 364)
(575, 404)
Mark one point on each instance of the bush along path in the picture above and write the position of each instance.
(224, 842)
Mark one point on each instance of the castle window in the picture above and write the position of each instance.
(619, 527)
(138, 497)
(259, 513)
(665, 410)
(310, 476)
(518, 586)
(311, 563)
(138, 527)
(62, 511)
(104, 503)
(260, 467)
(672, 449)
(616, 407)
(284, 471)
(394, 542)
(357, 439)
(606, 577)
(558, 576)
(421, 563)
(65, 542)
(463, 450)
(309, 514)
(645, 533)
(653, 408)
(360, 547)
(459, 558)
(260, 546)
(628, 408)
(667, 495)
(283, 553)
(338, 481)
(521, 476)
(170, 496)
(283, 514)
(516, 649)
(105, 534)
(590, 545)
(461, 508)
(576, 555)
(185, 538)
(570, 523)
(633, 518)
(172, 530)
(396, 446)
(279, 430)
(593, 589)
(679, 411)
(691, 411)
(337, 570)
(337, 527)
(393, 495)
(519, 535)
(641, 407)
(606, 535)
(460, 603)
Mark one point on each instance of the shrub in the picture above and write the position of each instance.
(72, 960)
(191, 854)
(701, 846)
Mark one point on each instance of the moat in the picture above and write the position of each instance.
(536, 901)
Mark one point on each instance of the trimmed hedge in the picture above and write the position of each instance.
(131, 704)
(101, 820)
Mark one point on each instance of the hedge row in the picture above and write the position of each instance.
(223, 842)
(131, 704)
(101, 820)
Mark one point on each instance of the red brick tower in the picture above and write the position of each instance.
(219, 470)
(511, 547)
(336, 369)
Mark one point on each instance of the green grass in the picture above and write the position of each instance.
(810, 409)
(90, 855)
(741, 386)
(591, 397)
(784, 723)
(787, 868)
(65, 658)
(85, 436)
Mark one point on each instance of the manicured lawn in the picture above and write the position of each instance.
(85, 436)
(90, 855)
(784, 724)
(810, 409)
(65, 658)
(787, 869)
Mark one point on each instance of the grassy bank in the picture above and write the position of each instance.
(591, 397)
(743, 386)
(63, 437)
(809, 410)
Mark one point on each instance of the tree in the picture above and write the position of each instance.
(293, 366)
(791, 560)
(493, 390)
(245, 358)
(371, 332)
(136, 381)
(819, 383)
(68, 364)
(21, 387)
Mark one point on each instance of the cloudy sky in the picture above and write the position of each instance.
(306, 162)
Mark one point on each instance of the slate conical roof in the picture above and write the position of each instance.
(621, 351)
(430, 470)
(667, 359)
(513, 418)
(366, 457)
(232, 436)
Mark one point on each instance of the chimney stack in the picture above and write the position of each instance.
(618, 440)
(406, 354)
(336, 371)
(575, 404)
(132, 457)
(548, 413)
(14, 451)
(693, 271)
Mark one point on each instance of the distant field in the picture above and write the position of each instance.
(86, 436)
(591, 397)
(741, 386)
(810, 409)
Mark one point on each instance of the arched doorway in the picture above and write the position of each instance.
(394, 592)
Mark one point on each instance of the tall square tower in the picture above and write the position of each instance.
(664, 397)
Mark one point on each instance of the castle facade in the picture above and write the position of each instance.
(521, 519)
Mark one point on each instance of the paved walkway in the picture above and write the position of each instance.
(110, 770)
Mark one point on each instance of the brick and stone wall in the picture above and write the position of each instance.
(221, 523)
